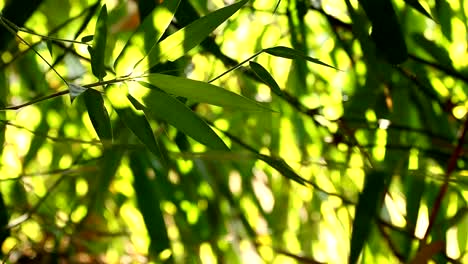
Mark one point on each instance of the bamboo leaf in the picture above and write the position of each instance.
(87, 38)
(153, 27)
(418, 7)
(165, 107)
(282, 167)
(148, 202)
(366, 210)
(265, 76)
(289, 53)
(75, 90)
(386, 31)
(98, 49)
(98, 114)
(182, 41)
(200, 91)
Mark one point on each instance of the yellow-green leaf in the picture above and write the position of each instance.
(265, 76)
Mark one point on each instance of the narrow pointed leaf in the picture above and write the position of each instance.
(148, 202)
(98, 49)
(153, 27)
(182, 41)
(265, 76)
(75, 90)
(87, 38)
(366, 211)
(282, 167)
(200, 92)
(98, 114)
(165, 107)
(289, 53)
(418, 7)
(386, 31)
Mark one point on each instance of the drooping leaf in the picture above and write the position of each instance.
(167, 108)
(98, 114)
(148, 202)
(200, 91)
(152, 27)
(135, 120)
(185, 39)
(265, 76)
(418, 7)
(366, 210)
(289, 53)
(98, 49)
(282, 167)
(444, 15)
(386, 31)
(75, 90)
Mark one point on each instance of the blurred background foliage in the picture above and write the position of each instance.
(362, 163)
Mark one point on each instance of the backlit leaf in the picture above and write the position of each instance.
(182, 41)
(152, 27)
(290, 53)
(418, 7)
(200, 92)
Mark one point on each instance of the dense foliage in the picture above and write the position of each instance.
(187, 131)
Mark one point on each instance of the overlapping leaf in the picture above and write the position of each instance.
(152, 27)
(182, 41)
(98, 49)
(165, 107)
(289, 53)
(200, 92)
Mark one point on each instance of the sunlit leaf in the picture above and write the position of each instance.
(366, 210)
(290, 53)
(182, 41)
(98, 114)
(200, 92)
(98, 49)
(152, 27)
(265, 76)
(148, 201)
(386, 31)
(417, 6)
(167, 108)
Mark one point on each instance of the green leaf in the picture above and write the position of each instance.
(4, 218)
(200, 91)
(140, 126)
(367, 209)
(165, 107)
(282, 167)
(418, 7)
(289, 53)
(98, 114)
(98, 49)
(87, 38)
(386, 31)
(148, 201)
(185, 39)
(265, 76)
(439, 53)
(153, 27)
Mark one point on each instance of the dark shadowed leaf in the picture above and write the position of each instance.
(152, 27)
(265, 76)
(98, 114)
(282, 167)
(99, 45)
(167, 108)
(181, 42)
(87, 38)
(366, 210)
(290, 53)
(200, 92)
(148, 201)
(386, 31)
